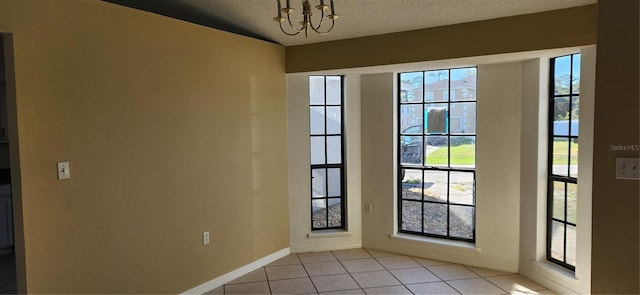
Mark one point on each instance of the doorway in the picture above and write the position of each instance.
(8, 282)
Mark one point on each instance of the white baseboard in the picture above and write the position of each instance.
(551, 276)
(230, 276)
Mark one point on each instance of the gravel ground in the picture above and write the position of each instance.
(435, 219)
(320, 217)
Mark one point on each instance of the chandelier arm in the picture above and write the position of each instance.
(333, 22)
(291, 24)
(321, 20)
(287, 33)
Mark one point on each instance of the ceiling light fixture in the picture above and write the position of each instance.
(306, 22)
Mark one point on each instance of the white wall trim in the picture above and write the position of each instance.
(552, 276)
(331, 234)
(232, 275)
(436, 242)
(334, 245)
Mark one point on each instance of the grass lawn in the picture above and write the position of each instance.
(559, 203)
(560, 150)
(464, 154)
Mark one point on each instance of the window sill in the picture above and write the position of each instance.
(329, 234)
(458, 245)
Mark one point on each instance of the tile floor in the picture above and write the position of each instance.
(364, 271)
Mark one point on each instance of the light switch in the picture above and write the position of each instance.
(63, 170)
(627, 168)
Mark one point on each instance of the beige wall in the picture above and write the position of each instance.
(615, 264)
(546, 30)
(171, 129)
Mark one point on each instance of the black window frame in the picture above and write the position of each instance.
(327, 166)
(564, 179)
(449, 169)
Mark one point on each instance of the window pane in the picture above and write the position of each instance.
(411, 119)
(335, 212)
(575, 81)
(562, 75)
(563, 147)
(412, 184)
(575, 114)
(435, 186)
(437, 85)
(558, 200)
(318, 183)
(317, 150)
(461, 222)
(573, 168)
(334, 120)
(429, 132)
(316, 90)
(557, 240)
(463, 84)
(334, 182)
(461, 188)
(560, 156)
(326, 144)
(415, 129)
(334, 149)
(572, 203)
(316, 117)
(571, 245)
(463, 118)
(463, 151)
(334, 90)
(411, 150)
(435, 218)
(411, 87)
(411, 216)
(319, 209)
(436, 121)
(437, 150)
(561, 110)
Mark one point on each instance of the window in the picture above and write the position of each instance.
(326, 113)
(562, 189)
(437, 153)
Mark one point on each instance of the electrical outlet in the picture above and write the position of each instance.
(627, 168)
(205, 238)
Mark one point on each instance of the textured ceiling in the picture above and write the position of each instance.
(358, 18)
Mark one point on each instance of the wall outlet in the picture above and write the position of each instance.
(205, 238)
(628, 168)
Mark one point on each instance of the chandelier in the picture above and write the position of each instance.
(306, 22)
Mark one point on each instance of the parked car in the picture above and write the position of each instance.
(411, 146)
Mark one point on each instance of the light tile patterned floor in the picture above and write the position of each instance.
(364, 271)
